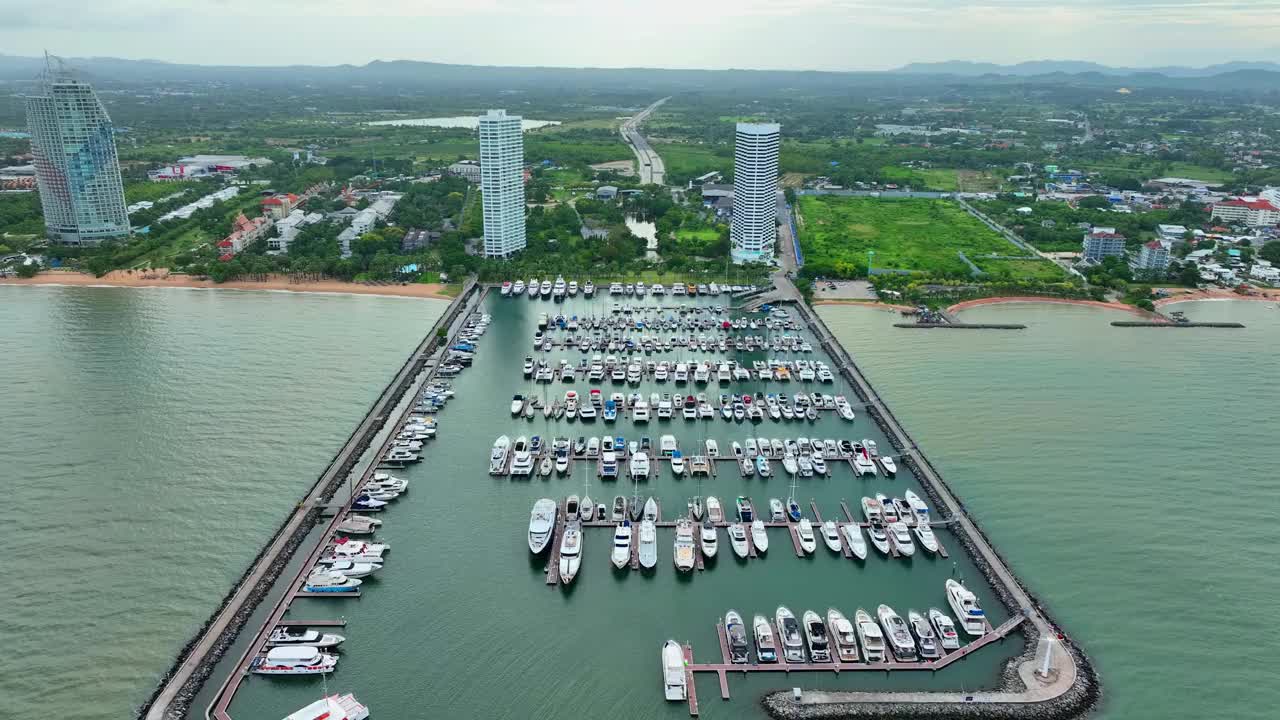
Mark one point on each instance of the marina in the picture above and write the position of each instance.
(588, 551)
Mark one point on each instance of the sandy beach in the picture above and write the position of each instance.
(865, 303)
(1035, 299)
(1178, 295)
(163, 279)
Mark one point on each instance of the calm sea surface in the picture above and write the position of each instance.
(150, 440)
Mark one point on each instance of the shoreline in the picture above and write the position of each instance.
(864, 303)
(1203, 296)
(276, 283)
(967, 304)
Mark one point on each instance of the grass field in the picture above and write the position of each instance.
(687, 160)
(916, 235)
(1173, 169)
(934, 178)
(700, 234)
(1031, 269)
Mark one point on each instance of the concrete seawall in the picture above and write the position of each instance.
(172, 697)
(1072, 688)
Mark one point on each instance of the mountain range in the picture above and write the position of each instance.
(1073, 67)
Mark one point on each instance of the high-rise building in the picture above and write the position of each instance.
(77, 170)
(755, 191)
(502, 183)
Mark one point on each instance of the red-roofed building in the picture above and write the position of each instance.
(1153, 256)
(243, 232)
(1254, 212)
(279, 206)
(1102, 242)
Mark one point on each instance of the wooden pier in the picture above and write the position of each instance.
(553, 563)
(691, 687)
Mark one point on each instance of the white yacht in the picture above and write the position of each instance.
(759, 535)
(901, 537)
(640, 412)
(713, 450)
(498, 456)
(925, 534)
(521, 463)
(359, 525)
(621, 544)
(831, 536)
(965, 605)
(542, 524)
(674, 682)
(766, 648)
(714, 511)
(918, 508)
(887, 464)
(853, 536)
(517, 404)
(804, 529)
(639, 466)
(844, 636)
(684, 550)
(738, 539)
(869, 636)
(570, 551)
(648, 544)
(789, 464)
(294, 660)
(945, 628)
(332, 707)
(789, 631)
(677, 464)
(348, 568)
(926, 640)
(898, 634)
(709, 543)
(314, 638)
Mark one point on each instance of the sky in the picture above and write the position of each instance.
(757, 34)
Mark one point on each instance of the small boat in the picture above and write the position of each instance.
(498, 456)
(831, 536)
(759, 535)
(326, 581)
(926, 640)
(696, 509)
(570, 551)
(853, 536)
(714, 512)
(294, 660)
(736, 638)
(789, 631)
(815, 635)
(843, 635)
(928, 540)
(789, 464)
(887, 464)
(901, 538)
(945, 628)
(332, 707)
(517, 404)
(766, 649)
(869, 636)
(745, 512)
(621, 545)
(619, 509)
(674, 680)
(762, 467)
(571, 508)
(777, 513)
(808, 543)
(648, 544)
(684, 550)
(546, 466)
(898, 634)
(965, 605)
(651, 509)
(747, 466)
(738, 539)
(793, 510)
(314, 638)
(709, 544)
(677, 464)
(358, 525)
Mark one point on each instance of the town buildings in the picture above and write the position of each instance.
(77, 170)
(755, 191)
(1254, 212)
(1101, 242)
(502, 183)
(243, 232)
(198, 166)
(1153, 256)
(468, 170)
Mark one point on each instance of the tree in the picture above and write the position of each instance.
(1094, 202)
(1271, 252)
(28, 270)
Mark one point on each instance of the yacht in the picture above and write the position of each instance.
(715, 513)
(777, 513)
(353, 569)
(862, 463)
(831, 536)
(789, 631)
(735, 634)
(709, 545)
(853, 536)
(358, 525)
(869, 636)
(901, 537)
(621, 545)
(808, 543)
(819, 465)
(945, 628)
(588, 289)
(314, 638)
(640, 412)
(517, 404)
(619, 509)
(745, 512)
(898, 634)
(639, 466)
(759, 535)
(843, 636)
(570, 551)
(872, 510)
(766, 650)
(651, 509)
(713, 450)
(927, 539)
(322, 580)
(593, 447)
(294, 660)
(587, 509)
(674, 678)
(528, 368)
(793, 509)
(684, 550)
(789, 464)
(905, 514)
(815, 635)
(879, 537)
(648, 544)
(738, 539)
(926, 640)
(498, 456)
(521, 463)
(887, 464)
(332, 707)
(762, 467)
(965, 605)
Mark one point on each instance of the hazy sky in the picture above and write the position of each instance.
(791, 34)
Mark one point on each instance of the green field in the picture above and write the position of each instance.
(686, 160)
(697, 235)
(917, 235)
(1030, 269)
(933, 178)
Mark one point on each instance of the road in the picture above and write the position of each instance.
(651, 168)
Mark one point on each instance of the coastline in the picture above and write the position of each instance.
(967, 304)
(280, 283)
(1265, 295)
(864, 303)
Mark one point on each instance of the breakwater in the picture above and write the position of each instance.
(964, 326)
(1139, 323)
(196, 660)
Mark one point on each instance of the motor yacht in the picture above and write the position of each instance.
(332, 707)
(294, 660)
(898, 634)
(323, 580)
(684, 548)
(815, 635)
(736, 638)
(570, 551)
(831, 536)
(762, 467)
(945, 629)
(789, 464)
(965, 605)
(709, 544)
(738, 539)
(619, 511)
(804, 529)
(586, 509)
(674, 679)
(900, 535)
(777, 512)
(291, 636)
(926, 640)
(789, 633)
(714, 511)
(793, 509)
(759, 535)
(638, 466)
(648, 544)
(358, 525)
(621, 545)
(869, 636)
(853, 536)
(843, 636)
(924, 533)
(746, 513)
(862, 464)
(887, 464)
(766, 648)
(517, 404)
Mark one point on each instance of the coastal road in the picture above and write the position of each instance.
(650, 165)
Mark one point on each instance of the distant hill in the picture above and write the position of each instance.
(1073, 67)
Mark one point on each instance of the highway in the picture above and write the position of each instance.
(651, 167)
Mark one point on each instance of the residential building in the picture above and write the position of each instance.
(502, 183)
(279, 206)
(1254, 212)
(288, 228)
(606, 192)
(1171, 233)
(243, 232)
(1264, 272)
(1152, 256)
(77, 170)
(418, 240)
(755, 191)
(1102, 242)
(469, 170)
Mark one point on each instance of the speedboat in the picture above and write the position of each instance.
(777, 513)
(651, 509)
(498, 456)
(738, 539)
(322, 580)
(853, 536)
(570, 551)
(766, 649)
(843, 635)
(898, 634)
(714, 512)
(684, 550)
(294, 660)
(332, 707)
(831, 536)
(965, 605)
(762, 467)
(926, 640)
(621, 544)
(709, 545)
(674, 679)
(546, 466)
(789, 631)
(639, 466)
(945, 628)
(517, 404)
(747, 466)
(619, 508)
(901, 537)
(887, 464)
(587, 508)
(759, 535)
(793, 509)
(314, 638)
(677, 463)
(925, 534)
(815, 634)
(808, 543)
(648, 544)
(789, 464)
(358, 525)
(870, 636)
(736, 637)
